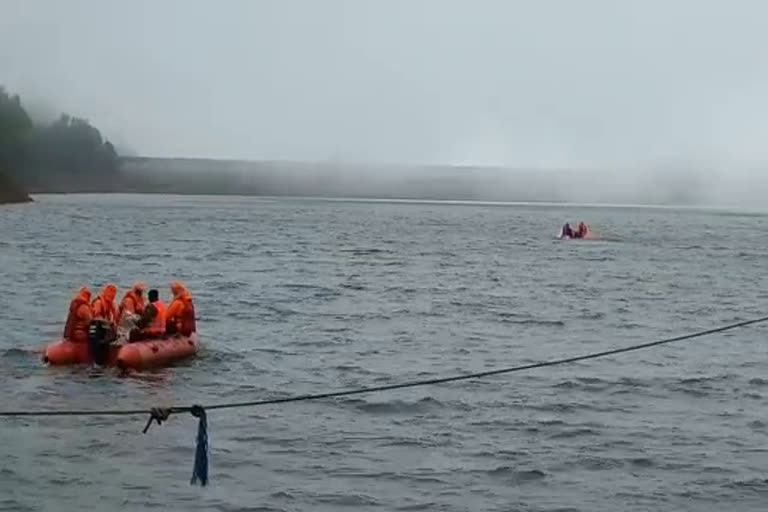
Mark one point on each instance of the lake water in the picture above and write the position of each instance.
(298, 296)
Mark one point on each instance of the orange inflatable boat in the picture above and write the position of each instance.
(137, 355)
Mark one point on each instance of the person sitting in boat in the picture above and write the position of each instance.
(132, 303)
(103, 306)
(582, 230)
(79, 317)
(567, 231)
(152, 322)
(180, 315)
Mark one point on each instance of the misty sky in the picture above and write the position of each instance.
(568, 83)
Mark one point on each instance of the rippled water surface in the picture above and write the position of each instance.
(306, 296)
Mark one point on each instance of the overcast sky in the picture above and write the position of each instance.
(566, 83)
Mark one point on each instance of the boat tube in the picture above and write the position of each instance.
(137, 355)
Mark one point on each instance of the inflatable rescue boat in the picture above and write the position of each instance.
(137, 355)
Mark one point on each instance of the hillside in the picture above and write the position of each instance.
(10, 192)
(66, 154)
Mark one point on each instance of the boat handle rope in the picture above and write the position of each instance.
(200, 469)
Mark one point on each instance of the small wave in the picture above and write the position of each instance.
(304, 286)
(260, 508)
(517, 475)
(558, 407)
(366, 251)
(281, 312)
(628, 325)
(642, 462)
(495, 423)
(405, 442)
(485, 454)
(551, 422)
(282, 495)
(718, 470)
(396, 406)
(214, 355)
(591, 380)
(65, 480)
(580, 432)
(111, 254)
(430, 505)
(223, 254)
(401, 289)
(598, 463)
(757, 381)
(348, 500)
(533, 321)
(704, 380)
(598, 258)
(241, 315)
(7, 473)
(698, 387)
(353, 368)
(18, 353)
(755, 484)
(265, 270)
(697, 393)
(353, 286)
(632, 382)
(16, 506)
(501, 314)
(224, 285)
(336, 330)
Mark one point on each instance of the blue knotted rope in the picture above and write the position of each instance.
(200, 470)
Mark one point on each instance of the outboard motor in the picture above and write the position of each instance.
(100, 337)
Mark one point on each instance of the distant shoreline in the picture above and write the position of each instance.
(460, 185)
(436, 202)
(488, 184)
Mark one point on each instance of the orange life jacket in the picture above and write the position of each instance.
(138, 304)
(76, 328)
(157, 326)
(104, 309)
(183, 319)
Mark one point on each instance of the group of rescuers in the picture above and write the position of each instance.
(155, 320)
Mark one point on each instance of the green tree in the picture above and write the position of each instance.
(65, 153)
(15, 126)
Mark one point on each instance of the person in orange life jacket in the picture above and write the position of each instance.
(180, 316)
(79, 317)
(152, 322)
(103, 306)
(132, 303)
(582, 230)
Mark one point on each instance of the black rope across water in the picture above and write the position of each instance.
(200, 471)
(488, 373)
